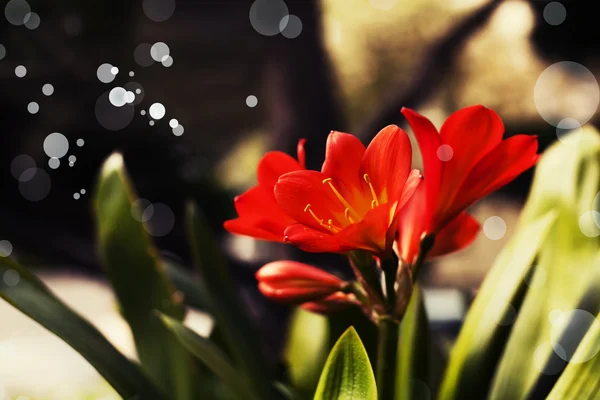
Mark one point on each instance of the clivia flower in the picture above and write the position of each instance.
(353, 203)
(464, 162)
(332, 303)
(294, 282)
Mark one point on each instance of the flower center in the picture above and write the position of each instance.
(349, 209)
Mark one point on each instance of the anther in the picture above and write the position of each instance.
(338, 195)
(375, 201)
(347, 214)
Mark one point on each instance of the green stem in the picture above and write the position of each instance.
(387, 348)
(390, 270)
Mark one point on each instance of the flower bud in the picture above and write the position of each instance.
(295, 283)
(332, 303)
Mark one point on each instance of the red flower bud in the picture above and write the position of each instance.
(335, 302)
(294, 282)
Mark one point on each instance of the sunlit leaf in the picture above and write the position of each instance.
(30, 296)
(140, 282)
(566, 277)
(347, 374)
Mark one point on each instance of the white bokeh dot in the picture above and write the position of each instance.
(80, 142)
(159, 51)
(178, 130)
(6, 248)
(32, 21)
(566, 333)
(445, 152)
(266, 15)
(104, 73)
(151, 123)
(56, 145)
(54, 163)
(173, 123)
(588, 223)
(20, 71)
(566, 90)
(290, 26)
(114, 70)
(167, 62)
(118, 96)
(72, 158)
(33, 107)
(494, 228)
(76, 196)
(47, 89)
(251, 101)
(157, 111)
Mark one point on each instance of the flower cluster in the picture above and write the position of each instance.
(370, 201)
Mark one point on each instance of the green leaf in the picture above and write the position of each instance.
(481, 339)
(347, 374)
(580, 380)
(413, 350)
(566, 277)
(30, 296)
(306, 349)
(140, 283)
(228, 310)
(212, 357)
(194, 295)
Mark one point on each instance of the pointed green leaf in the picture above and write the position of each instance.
(212, 357)
(479, 345)
(413, 350)
(140, 283)
(228, 310)
(347, 374)
(566, 277)
(30, 296)
(306, 349)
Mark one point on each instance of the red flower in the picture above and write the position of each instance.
(294, 282)
(354, 202)
(259, 214)
(464, 162)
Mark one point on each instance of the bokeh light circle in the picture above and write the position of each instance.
(137, 90)
(56, 145)
(159, 51)
(142, 210)
(2, 51)
(588, 223)
(111, 117)
(157, 111)
(37, 187)
(20, 71)
(178, 130)
(290, 26)
(251, 101)
(16, 11)
(11, 277)
(20, 164)
(445, 152)
(54, 163)
(167, 62)
(47, 89)
(266, 15)
(567, 331)
(545, 365)
(551, 86)
(118, 96)
(555, 13)
(32, 21)
(158, 10)
(569, 131)
(162, 220)
(6, 248)
(494, 228)
(104, 73)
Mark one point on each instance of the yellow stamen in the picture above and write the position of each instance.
(347, 214)
(375, 201)
(339, 195)
(329, 224)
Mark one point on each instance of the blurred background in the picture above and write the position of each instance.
(194, 92)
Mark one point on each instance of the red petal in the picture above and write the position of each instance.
(429, 142)
(342, 160)
(372, 233)
(503, 164)
(458, 234)
(387, 162)
(256, 228)
(294, 294)
(314, 241)
(295, 190)
(471, 133)
(414, 180)
(273, 165)
(282, 272)
(412, 225)
(301, 153)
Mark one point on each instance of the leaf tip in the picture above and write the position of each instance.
(112, 163)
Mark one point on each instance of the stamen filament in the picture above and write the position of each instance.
(339, 195)
(347, 214)
(321, 222)
(375, 201)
